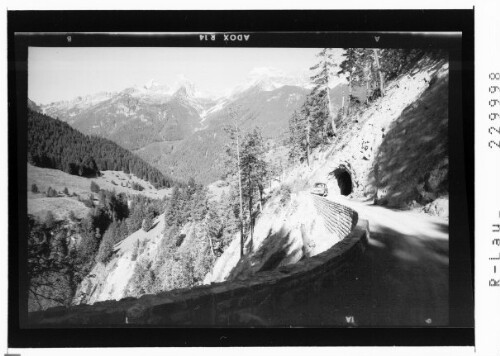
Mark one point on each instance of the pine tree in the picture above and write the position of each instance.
(351, 68)
(379, 70)
(50, 220)
(306, 126)
(51, 192)
(147, 223)
(320, 94)
(106, 246)
(54, 144)
(72, 216)
(234, 166)
(172, 211)
(253, 172)
(296, 137)
(94, 187)
(212, 228)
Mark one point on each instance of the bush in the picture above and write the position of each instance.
(94, 187)
(137, 186)
(50, 220)
(135, 252)
(51, 192)
(147, 223)
(105, 249)
(34, 188)
(72, 216)
(66, 191)
(87, 202)
(285, 193)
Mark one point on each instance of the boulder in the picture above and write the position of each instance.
(439, 207)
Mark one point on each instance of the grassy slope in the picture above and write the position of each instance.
(39, 204)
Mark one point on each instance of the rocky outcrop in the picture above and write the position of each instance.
(439, 207)
(394, 151)
(306, 226)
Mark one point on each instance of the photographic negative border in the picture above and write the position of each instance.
(268, 29)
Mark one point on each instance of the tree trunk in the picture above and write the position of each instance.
(240, 190)
(261, 194)
(308, 132)
(380, 74)
(242, 241)
(343, 110)
(349, 97)
(367, 92)
(330, 110)
(250, 203)
(211, 244)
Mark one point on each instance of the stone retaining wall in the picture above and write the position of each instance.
(234, 302)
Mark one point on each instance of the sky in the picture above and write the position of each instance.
(56, 74)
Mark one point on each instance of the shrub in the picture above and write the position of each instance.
(51, 192)
(72, 216)
(180, 240)
(66, 191)
(50, 220)
(87, 202)
(147, 223)
(137, 186)
(94, 187)
(34, 188)
(106, 248)
(285, 193)
(135, 251)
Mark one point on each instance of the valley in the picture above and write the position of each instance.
(181, 131)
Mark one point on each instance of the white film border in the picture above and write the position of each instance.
(487, 178)
(487, 187)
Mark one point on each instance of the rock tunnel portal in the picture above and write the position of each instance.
(344, 180)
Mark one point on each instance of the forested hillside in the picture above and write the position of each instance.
(54, 144)
(62, 252)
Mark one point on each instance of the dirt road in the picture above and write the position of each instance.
(402, 279)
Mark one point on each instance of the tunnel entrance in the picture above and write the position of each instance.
(344, 180)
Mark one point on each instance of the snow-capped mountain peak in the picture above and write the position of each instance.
(152, 84)
(184, 86)
(269, 79)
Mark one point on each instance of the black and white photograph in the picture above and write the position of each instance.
(238, 186)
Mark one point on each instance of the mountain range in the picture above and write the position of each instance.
(179, 129)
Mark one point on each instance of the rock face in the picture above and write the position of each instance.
(111, 281)
(395, 151)
(439, 207)
(283, 235)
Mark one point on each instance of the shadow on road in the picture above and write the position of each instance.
(401, 281)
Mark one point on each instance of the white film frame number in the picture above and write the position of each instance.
(494, 115)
